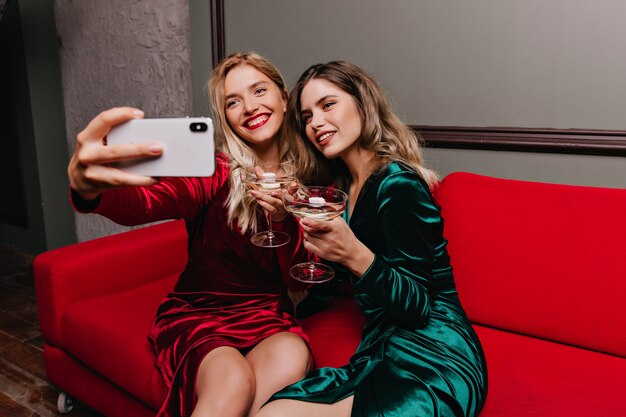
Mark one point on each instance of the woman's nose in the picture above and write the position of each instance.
(317, 120)
(250, 106)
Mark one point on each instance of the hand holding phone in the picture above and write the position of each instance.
(188, 146)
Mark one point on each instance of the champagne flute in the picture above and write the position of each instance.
(318, 203)
(268, 178)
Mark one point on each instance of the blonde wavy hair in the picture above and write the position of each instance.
(242, 208)
(383, 132)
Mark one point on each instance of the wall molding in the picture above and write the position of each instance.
(218, 39)
(568, 141)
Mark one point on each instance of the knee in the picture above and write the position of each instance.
(238, 381)
(291, 358)
(231, 378)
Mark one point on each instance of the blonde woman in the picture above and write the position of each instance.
(224, 338)
(419, 355)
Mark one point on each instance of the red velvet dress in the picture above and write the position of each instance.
(231, 293)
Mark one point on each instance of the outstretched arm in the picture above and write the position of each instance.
(130, 199)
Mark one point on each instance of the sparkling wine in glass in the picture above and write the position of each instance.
(318, 203)
(268, 178)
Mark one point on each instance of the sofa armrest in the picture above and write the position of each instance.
(105, 266)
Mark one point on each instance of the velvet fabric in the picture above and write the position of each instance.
(419, 355)
(231, 292)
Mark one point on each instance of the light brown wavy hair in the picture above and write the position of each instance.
(242, 208)
(383, 132)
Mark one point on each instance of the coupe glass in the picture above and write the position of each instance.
(268, 178)
(318, 203)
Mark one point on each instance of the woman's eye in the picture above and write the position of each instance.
(230, 103)
(328, 105)
(260, 90)
(306, 118)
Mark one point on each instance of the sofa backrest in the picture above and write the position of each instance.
(539, 259)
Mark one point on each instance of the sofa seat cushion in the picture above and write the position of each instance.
(533, 377)
(109, 335)
(335, 332)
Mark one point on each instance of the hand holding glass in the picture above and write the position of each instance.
(318, 203)
(268, 178)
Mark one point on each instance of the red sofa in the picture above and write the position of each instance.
(540, 269)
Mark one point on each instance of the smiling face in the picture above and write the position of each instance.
(254, 105)
(331, 116)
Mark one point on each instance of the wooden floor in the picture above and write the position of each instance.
(24, 388)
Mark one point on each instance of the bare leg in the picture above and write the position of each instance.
(293, 408)
(225, 384)
(277, 361)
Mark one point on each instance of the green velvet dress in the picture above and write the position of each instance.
(419, 355)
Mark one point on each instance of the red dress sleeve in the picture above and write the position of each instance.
(171, 198)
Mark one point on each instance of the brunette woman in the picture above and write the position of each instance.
(419, 356)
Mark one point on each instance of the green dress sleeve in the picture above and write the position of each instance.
(400, 276)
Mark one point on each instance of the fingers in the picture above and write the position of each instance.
(101, 125)
(270, 202)
(324, 246)
(106, 154)
(109, 177)
(90, 141)
(258, 171)
(311, 247)
(95, 179)
(321, 247)
(270, 209)
(88, 170)
(316, 226)
(326, 239)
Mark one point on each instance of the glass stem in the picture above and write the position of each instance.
(270, 233)
(310, 263)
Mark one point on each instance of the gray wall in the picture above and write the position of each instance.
(120, 52)
(519, 63)
(530, 63)
(599, 171)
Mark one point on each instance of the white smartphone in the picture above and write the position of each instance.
(188, 146)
